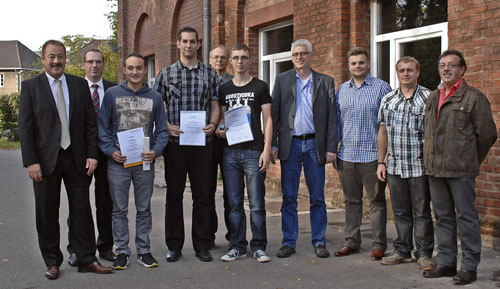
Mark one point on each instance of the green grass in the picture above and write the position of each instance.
(5, 144)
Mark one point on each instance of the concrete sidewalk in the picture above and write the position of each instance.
(21, 265)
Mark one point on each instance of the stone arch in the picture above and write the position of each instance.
(144, 37)
(186, 13)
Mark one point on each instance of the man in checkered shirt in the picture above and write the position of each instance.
(188, 85)
(400, 145)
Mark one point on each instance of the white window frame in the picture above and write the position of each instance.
(273, 59)
(151, 71)
(398, 38)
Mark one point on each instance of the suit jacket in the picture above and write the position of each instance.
(107, 84)
(40, 126)
(324, 113)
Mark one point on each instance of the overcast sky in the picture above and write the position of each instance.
(32, 22)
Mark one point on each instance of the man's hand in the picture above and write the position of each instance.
(332, 158)
(174, 130)
(117, 157)
(35, 172)
(381, 172)
(221, 133)
(265, 158)
(90, 165)
(148, 157)
(209, 128)
(274, 155)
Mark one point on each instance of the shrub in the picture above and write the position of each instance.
(9, 106)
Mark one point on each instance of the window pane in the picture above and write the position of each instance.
(427, 53)
(283, 66)
(383, 61)
(265, 71)
(408, 14)
(278, 40)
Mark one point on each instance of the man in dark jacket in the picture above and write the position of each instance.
(459, 131)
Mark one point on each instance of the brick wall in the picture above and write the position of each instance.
(474, 29)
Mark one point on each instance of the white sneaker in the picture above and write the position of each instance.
(232, 255)
(261, 256)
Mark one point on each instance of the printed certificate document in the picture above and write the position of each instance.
(238, 127)
(131, 146)
(191, 124)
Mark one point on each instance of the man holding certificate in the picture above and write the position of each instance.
(130, 112)
(248, 154)
(190, 90)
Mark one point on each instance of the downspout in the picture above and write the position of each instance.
(206, 31)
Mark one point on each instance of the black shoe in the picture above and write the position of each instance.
(108, 255)
(121, 262)
(73, 260)
(285, 252)
(173, 255)
(321, 251)
(440, 271)
(465, 277)
(204, 256)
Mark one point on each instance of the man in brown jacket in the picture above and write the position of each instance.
(459, 131)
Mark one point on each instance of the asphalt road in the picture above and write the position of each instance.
(21, 264)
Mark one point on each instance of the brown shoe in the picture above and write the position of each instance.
(95, 267)
(377, 254)
(345, 251)
(52, 272)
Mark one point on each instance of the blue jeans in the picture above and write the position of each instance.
(303, 152)
(119, 185)
(238, 164)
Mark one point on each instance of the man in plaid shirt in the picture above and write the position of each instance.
(188, 85)
(400, 145)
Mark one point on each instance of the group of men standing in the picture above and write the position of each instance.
(371, 134)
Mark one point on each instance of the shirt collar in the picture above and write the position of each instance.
(400, 93)
(181, 65)
(368, 80)
(99, 83)
(455, 86)
(52, 79)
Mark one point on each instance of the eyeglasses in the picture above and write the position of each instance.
(301, 54)
(237, 58)
(91, 62)
(219, 57)
(450, 65)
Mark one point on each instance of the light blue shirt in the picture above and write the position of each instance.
(64, 86)
(304, 122)
(357, 113)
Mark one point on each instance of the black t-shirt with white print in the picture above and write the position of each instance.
(253, 95)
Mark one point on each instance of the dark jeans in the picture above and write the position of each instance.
(218, 150)
(195, 162)
(353, 177)
(453, 203)
(104, 207)
(411, 199)
(241, 165)
(47, 201)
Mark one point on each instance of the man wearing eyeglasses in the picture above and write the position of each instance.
(304, 134)
(218, 60)
(459, 131)
(248, 159)
(94, 64)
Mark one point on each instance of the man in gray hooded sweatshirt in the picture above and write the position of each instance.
(131, 105)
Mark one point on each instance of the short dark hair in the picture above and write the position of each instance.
(133, 54)
(187, 29)
(457, 53)
(93, 50)
(240, 46)
(357, 51)
(53, 42)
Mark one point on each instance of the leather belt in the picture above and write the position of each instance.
(304, 136)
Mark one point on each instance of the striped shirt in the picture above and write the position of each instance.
(404, 120)
(357, 111)
(187, 89)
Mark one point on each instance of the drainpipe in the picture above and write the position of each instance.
(206, 31)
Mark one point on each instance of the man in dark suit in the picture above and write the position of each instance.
(94, 64)
(304, 134)
(58, 133)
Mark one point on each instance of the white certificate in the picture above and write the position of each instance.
(192, 123)
(131, 146)
(239, 130)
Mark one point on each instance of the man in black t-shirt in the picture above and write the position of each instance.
(248, 159)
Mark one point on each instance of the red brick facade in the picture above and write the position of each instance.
(333, 27)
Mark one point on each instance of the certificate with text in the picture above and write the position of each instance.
(192, 123)
(239, 130)
(131, 146)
